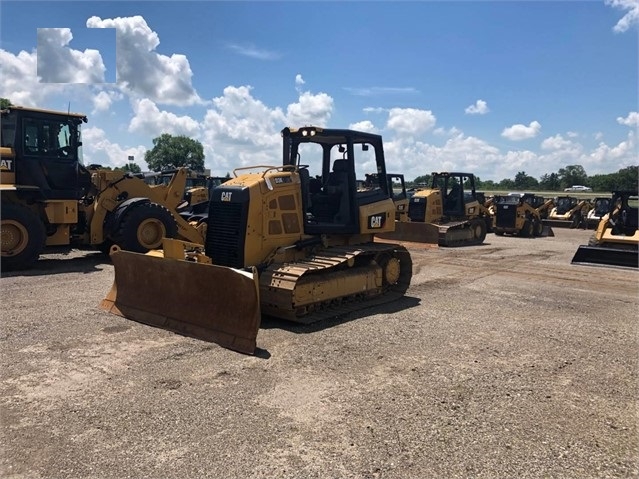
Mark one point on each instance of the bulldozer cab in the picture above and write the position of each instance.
(41, 153)
(325, 160)
(457, 190)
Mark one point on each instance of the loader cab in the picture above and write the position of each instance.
(565, 203)
(41, 153)
(624, 210)
(601, 206)
(326, 159)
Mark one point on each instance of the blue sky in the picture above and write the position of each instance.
(492, 88)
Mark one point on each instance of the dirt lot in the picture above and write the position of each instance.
(504, 360)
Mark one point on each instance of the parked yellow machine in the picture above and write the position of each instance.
(521, 214)
(568, 212)
(451, 206)
(280, 241)
(405, 230)
(616, 240)
(50, 199)
(600, 207)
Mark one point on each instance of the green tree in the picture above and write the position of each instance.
(572, 175)
(423, 180)
(485, 184)
(525, 182)
(550, 182)
(628, 178)
(625, 179)
(506, 184)
(5, 103)
(170, 152)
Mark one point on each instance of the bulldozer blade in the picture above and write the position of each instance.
(208, 302)
(600, 255)
(414, 232)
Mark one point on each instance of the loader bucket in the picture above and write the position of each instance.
(600, 255)
(414, 232)
(208, 302)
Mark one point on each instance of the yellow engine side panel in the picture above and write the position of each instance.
(62, 211)
(378, 217)
(7, 166)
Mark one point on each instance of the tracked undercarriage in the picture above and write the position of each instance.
(335, 281)
(462, 233)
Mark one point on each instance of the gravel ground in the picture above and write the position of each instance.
(503, 360)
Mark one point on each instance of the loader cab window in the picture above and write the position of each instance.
(48, 138)
(8, 134)
(50, 156)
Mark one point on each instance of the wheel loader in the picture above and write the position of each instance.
(448, 212)
(521, 215)
(294, 241)
(50, 199)
(616, 240)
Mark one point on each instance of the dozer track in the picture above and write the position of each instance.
(335, 281)
(462, 233)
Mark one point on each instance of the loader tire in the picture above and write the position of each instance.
(23, 237)
(144, 226)
(538, 227)
(526, 230)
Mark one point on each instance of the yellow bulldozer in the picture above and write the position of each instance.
(294, 241)
(50, 199)
(449, 211)
(521, 215)
(616, 240)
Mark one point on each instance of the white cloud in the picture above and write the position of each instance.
(370, 109)
(150, 120)
(410, 121)
(555, 143)
(57, 63)
(621, 155)
(19, 80)
(99, 150)
(630, 18)
(376, 90)
(631, 120)
(310, 110)
(365, 125)
(103, 100)
(240, 130)
(452, 131)
(141, 70)
(252, 51)
(299, 82)
(479, 108)
(522, 132)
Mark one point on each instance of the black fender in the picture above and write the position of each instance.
(114, 218)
